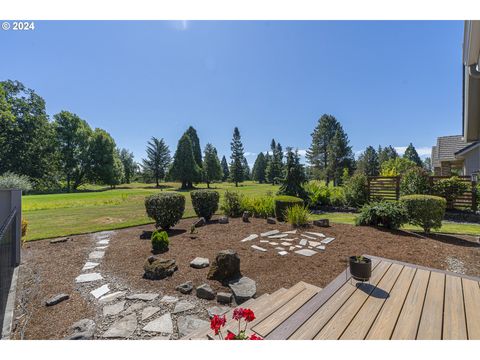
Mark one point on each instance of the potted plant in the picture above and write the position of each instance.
(360, 267)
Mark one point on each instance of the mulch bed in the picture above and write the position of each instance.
(52, 268)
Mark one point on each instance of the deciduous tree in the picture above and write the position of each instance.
(130, 167)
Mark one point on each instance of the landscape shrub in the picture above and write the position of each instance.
(283, 202)
(232, 204)
(259, 206)
(337, 196)
(165, 208)
(450, 189)
(356, 190)
(205, 202)
(160, 241)
(426, 211)
(10, 180)
(391, 215)
(24, 227)
(297, 215)
(396, 167)
(415, 181)
(318, 194)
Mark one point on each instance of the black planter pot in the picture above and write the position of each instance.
(361, 271)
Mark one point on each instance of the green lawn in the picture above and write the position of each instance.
(98, 208)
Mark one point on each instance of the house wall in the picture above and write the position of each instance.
(472, 162)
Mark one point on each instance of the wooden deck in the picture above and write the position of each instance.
(402, 301)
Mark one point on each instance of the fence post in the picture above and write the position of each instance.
(368, 188)
(12, 200)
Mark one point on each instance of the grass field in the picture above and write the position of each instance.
(96, 209)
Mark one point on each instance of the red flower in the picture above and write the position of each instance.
(238, 313)
(255, 337)
(217, 322)
(230, 336)
(248, 315)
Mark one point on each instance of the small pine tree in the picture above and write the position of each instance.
(412, 155)
(226, 171)
(212, 170)
(246, 169)
(275, 165)
(158, 159)
(295, 178)
(236, 168)
(259, 168)
(184, 167)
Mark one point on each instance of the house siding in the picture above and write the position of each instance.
(472, 162)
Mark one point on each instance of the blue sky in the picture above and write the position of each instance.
(386, 82)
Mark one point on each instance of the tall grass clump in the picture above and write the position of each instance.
(297, 215)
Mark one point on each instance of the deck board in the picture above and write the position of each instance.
(431, 322)
(471, 293)
(455, 327)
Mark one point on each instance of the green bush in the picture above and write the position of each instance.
(205, 202)
(259, 206)
(283, 202)
(160, 241)
(426, 211)
(450, 189)
(415, 181)
(391, 215)
(318, 194)
(337, 196)
(165, 208)
(232, 204)
(356, 190)
(297, 215)
(10, 181)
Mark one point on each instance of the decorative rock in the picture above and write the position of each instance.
(142, 297)
(321, 223)
(315, 233)
(185, 288)
(114, 309)
(200, 222)
(103, 242)
(313, 243)
(101, 247)
(217, 310)
(226, 266)
(280, 248)
(250, 238)
(258, 248)
(96, 255)
(271, 220)
(199, 263)
(282, 253)
(291, 248)
(183, 306)
(98, 292)
(82, 330)
(309, 237)
(169, 299)
(273, 243)
(89, 265)
(298, 246)
(88, 277)
(269, 233)
(321, 247)
(327, 240)
(56, 299)
(163, 324)
(246, 216)
(158, 268)
(205, 292)
(286, 244)
(149, 311)
(290, 232)
(277, 236)
(303, 242)
(306, 252)
(59, 240)
(112, 296)
(224, 298)
(264, 241)
(243, 289)
(188, 324)
(223, 220)
(122, 328)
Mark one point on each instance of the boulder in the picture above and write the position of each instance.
(246, 216)
(200, 222)
(223, 220)
(82, 330)
(271, 220)
(158, 268)
(199, 263)
(185, 288)
(321, 223)
(56, 299)
(243, 289)
(225, 267)
(205, 292)
(224, 298)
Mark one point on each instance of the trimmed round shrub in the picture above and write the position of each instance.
(165, 208)
(283, 202)
(205, 202)
(426, 211)
(391, 215)
(232, 204)
(160, 241)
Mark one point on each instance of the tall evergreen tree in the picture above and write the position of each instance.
(412, 155)
(184, 167)
(226, 171)
(197, 151)
(294, 176)
(158, 159)
(73, 138)
(212, 169)
(367, 162)
(129, 164)
(427, 164)
(259, 168)
(386, 153)
(236, 168)
(246, 169)
(275, 164)
(340, 156)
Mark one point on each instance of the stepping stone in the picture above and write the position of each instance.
(280, 248)
(185, 288)
(98, 292)
(305, 252)
(149, 311)
(134, 308)
(169, 299)
(313, 243)
(114, 309)
(217, 310)
(303, 242)
(101, 247)
(103, 242)
(123, 328)
(143, 297)
(243, 289)
(264, 241)
(96, 254)
(112, 296)
(224, 298)
(82, 330)
(278, 236)
(56, 299)
(199, 263)
(183, 306)
(89, 265)
(250, 238)
(258, 248)
(309, 237)
(205, 292)
(88, 277)
(188, 324)
(298, 246)
(327, 240)
(163, 324)
(269, 233)
(291, 248)
(273, 243)
(315, 233)
(310, 247)
(290, 232)
(282, 253)
(286, 244)
(321, 247)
